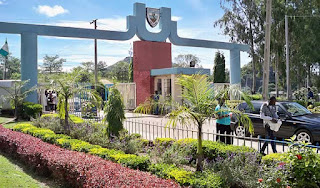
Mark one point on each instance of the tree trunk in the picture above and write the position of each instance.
(253, 61)
(16, 115)
(276, 74)
(66, 116)
(199, 150)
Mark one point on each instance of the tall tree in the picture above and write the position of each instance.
(52, 63)
(243, 21)
(12, 67)
(184, 60)
(219, 69)
(89, 66)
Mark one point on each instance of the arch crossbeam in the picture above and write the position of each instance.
(136, 25)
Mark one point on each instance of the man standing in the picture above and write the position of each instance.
(310, 96)
(268, 113)
(223, 122)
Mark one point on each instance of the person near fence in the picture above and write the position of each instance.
(271, 122)
(156, 98)
(223, 122)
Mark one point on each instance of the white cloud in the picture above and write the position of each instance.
(1, 2)
(176, 18)
(51, 11)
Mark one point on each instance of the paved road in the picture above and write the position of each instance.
(151, 127)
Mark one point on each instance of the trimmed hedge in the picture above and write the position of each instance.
(132, 161)
(273, 158)
(195, 179)
(165, 142)
(74, 168)
(212, 149)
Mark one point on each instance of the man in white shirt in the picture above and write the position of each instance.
(268, 113)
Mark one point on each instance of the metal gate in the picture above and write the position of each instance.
(128, 93)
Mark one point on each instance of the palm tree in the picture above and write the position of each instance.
(17, 94)
(66, 88)
(199, 106)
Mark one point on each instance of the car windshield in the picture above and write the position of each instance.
(296, 109)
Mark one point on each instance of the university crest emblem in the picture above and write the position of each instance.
(153, 16)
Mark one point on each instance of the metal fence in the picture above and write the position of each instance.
(153, 130)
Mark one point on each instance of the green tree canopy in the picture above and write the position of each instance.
(52, 64)
(219, 69)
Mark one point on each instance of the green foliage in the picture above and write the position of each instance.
(17, 94)
(212, 149)
(132, 161)
(205, 179)
(273, 158)
(165, 142)
(240, 170)
(219, 74)
(129, 160)
(52, 64)
(30, 109)
(76, 145)
(256, 97)
(114, 111)
(304, 165)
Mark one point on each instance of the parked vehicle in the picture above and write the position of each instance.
(296, 119)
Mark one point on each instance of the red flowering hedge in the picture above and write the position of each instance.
(76, 168)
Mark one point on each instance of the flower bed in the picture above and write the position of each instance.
(78, 169)
(132, 161)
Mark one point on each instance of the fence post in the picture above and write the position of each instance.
(142, 129)
(153, 130)
(267, 145)
(157, 129)
(149, 132)
(259, 143)
(251, 140)
(244, 139)
(283, 145)
(208, 134)
(317, 144)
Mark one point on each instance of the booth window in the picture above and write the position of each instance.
(168, 87)
(159, 87)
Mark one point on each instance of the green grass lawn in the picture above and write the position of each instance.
(12, 175)
(12, 124)
(5, 119)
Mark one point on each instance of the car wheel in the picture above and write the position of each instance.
(304, 135)
(240, 131)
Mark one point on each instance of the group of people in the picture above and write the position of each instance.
(51, 100)
(268, 113)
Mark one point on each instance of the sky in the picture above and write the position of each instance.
(195, 20)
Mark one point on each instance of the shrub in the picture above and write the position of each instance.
(74, 168)
(132, 161)
(273, 158)
(114, 111)
(30, 109)
(237, 170)
(165, 142)
(76, 145)
(256, 97)
(198, 179)
(304, 165)
(212, 149)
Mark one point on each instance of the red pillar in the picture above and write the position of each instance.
(146, 56)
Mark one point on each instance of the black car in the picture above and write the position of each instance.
(296, 120)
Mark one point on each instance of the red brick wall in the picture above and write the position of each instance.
(146, 56)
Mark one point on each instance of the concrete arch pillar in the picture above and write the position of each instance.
(235, 69)
(29, 63)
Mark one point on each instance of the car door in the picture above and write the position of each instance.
(286, 129)
(256, 120)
